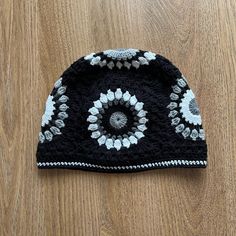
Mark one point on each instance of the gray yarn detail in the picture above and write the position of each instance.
(173, 113)
(63, 107)
(193, 107)
(62, 115)
(176, 89)
(59, 123)
(175, 121)
(194, 134)
(61, 90)
(181, 83)
(118, 120)
(48, 135)
(202, 134)
(58, 83)
(63, 99)
(172, 105)
(41, 137)
(174, 96)
(179, 128)
(55, 130)
(186, 132)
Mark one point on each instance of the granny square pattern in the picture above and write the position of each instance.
(121, 110)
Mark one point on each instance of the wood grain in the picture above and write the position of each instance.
(39, 39)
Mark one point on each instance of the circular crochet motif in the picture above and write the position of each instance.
(189, 108)
(121, 58)
(49, 111)
(184, 111)
(55, 113)
(121, 53)
(117, 120)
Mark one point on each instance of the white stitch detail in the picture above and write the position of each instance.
(148, 165)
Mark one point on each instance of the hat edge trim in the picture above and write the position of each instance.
(151, 165)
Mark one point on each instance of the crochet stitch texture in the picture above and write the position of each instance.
(121, 110)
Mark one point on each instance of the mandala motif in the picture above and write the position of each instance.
(55, 113)
(121, 58)
(121, 53)
(184, 111)
(189, 108)
(49, 111)
(117, 120)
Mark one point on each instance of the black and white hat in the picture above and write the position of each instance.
(121, 110)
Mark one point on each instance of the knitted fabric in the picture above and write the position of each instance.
(121, 110)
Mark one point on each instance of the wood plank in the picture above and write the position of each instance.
(39, 40)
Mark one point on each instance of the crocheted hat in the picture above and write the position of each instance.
(121, 110)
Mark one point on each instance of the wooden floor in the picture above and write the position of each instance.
(38, 40)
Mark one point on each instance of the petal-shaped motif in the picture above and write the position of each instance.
(104, 129)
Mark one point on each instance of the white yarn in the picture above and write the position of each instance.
(93, 127)
(139, 106)
(133, 100)
(103, 98)
(102, 140)
(142, 113)
(49, 111)
(110, 95)
(97, 104)
(58, 83)
(95, 134)
(126, 96)
(118, 94)
(150, 56)
(133, 140)
(109, 143)
(92, 119)
(90, 56)
(94, 111)
(142, 127)
(126, 143)
(139, 135)
(117, 144)
(95, 60)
